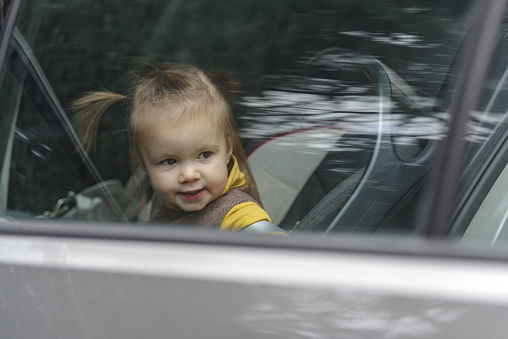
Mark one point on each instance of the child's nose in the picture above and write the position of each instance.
(189, 173)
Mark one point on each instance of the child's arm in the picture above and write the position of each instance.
(244, 215)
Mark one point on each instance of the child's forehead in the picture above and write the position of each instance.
(182, 123)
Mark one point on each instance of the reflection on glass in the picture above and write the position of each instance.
(350, 314)
(336, 96)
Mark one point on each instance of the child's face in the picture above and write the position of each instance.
(187, 163)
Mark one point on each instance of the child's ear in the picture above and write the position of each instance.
(142, 164)
(138, 160)
(229, 153)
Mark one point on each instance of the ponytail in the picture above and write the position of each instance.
(89, 110)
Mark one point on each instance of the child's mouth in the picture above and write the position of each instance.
(193, 195)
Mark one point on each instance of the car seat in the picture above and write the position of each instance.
(380, 174)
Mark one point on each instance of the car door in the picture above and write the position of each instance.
(75, 261)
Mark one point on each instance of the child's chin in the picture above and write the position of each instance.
(192, 208)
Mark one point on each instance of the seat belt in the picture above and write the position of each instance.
(262, 227)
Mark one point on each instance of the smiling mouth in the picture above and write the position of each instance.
(193, 195)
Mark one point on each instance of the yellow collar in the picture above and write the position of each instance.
(236, 178)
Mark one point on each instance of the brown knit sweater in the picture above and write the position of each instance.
(209, 217)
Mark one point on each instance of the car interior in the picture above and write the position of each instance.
(328, 172)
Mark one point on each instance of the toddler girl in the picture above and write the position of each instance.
(182, 134)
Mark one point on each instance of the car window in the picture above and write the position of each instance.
(341, 107)
(42, 176)
(36, 160)
(481, 207)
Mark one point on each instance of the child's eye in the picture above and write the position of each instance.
(205, 155)
(168, 162)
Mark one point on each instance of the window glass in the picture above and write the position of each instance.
(341, 104)
(40, 171)
(43, 175)
(481, 211)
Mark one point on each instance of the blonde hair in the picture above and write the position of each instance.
(179, 90)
